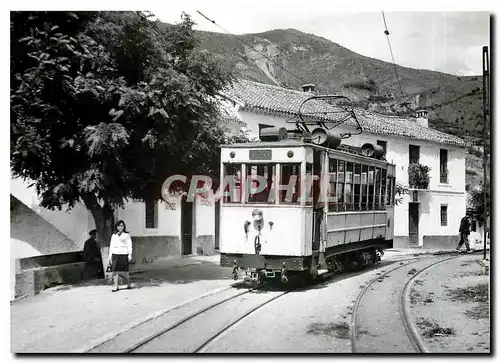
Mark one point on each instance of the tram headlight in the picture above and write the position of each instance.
(290, 153)
(232, 154)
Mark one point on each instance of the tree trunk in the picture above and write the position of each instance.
(104, 222)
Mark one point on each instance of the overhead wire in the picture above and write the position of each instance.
(248, 45)
(351, 112)
(386, 32)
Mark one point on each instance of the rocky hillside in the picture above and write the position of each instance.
(454, 103)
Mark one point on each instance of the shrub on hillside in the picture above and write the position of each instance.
(364, 85)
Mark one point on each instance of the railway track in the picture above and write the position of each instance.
(179, 330)
(374, 328)
(236, 308)
(181, 333)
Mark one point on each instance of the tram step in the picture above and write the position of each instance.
(322, 272)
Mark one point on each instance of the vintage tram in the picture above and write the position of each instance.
(322, 207)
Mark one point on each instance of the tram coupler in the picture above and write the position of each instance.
(284, 277)
(261, 276)
(235, 270)
(252, 278)
(248, 280)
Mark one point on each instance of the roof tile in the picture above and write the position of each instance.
(264, 97)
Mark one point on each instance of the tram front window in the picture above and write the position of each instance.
(290, 184)
(260, 179)
(232, 183)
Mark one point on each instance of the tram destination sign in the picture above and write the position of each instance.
(261, 154)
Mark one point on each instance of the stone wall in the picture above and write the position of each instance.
(205, 245)
(441, 242)
(150, 249)
(401, 242)
(32, 281)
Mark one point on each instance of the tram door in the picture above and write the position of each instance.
(186, 227)
(413, 222)
(318, 208)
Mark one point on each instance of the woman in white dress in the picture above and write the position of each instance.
(120, 254)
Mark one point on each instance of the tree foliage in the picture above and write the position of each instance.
(418, 176)
(106, 105)
(400, 190)
(479, 207)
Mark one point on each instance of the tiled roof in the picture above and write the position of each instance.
(274, 99)
(229, 113)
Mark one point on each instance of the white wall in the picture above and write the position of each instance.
(430, 214)
(75, 223)
(205, 217)
(169, 218)
(253, 120)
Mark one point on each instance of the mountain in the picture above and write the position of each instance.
(454, 103)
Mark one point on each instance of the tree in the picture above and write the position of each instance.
(106, 105)
(418, 176)
(400, 190)
(477, 199)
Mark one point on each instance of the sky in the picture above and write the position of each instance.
(440, 40)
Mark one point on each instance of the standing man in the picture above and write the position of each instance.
(92, 257)
(464, 231)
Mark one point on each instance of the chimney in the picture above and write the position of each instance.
(308, 87)
(422, 118)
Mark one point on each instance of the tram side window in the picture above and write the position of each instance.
(377, 189)
(383, 189)
(290, 184)
(232, 183)
(349, 179)
(266, 173)
(340, 186)
(371, 186)
(332, 191)
(393, 190)
(388, 190)
(364, 187)
(357, 187)
(392, 193)
(309, 176)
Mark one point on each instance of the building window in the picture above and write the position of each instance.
(151, 214)
(444, 215)
(414, 154)
(384, 146)
(443, 166)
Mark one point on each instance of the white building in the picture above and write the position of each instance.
(428, 218)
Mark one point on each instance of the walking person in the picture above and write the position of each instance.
(92, 258)
(464, 231)
(120, 254)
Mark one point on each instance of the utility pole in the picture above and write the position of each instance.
(486, 115)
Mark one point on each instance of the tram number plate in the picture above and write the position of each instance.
(261, 154)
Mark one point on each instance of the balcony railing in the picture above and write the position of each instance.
(443, 176)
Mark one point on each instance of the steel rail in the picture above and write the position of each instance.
(404, 312)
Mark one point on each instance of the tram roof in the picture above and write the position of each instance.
(282, 143)
(296, 143)
(255, 96)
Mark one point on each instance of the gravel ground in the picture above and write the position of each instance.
(313, 320)
(379, 327)
(75, 318)
(450, 305)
